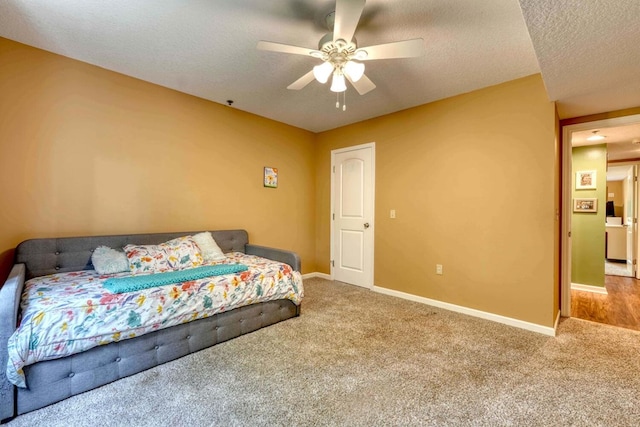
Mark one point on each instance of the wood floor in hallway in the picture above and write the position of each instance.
(621, 307)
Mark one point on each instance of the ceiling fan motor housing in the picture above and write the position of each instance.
(338, 52)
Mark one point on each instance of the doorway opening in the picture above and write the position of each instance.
(599, 221)
(620, 220)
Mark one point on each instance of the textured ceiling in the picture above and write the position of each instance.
(588, 51)
(207, 48)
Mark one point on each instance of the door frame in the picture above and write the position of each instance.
(567, 175)
(369, 249)
(633, 168)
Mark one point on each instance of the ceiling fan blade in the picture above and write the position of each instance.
(284, 48)
(364, 85)
(346, 20)
(403, 49)
(302, 81)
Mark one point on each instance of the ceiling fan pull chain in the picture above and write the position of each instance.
(337, 99)
(344, 101)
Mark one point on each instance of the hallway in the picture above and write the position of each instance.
(621, 307)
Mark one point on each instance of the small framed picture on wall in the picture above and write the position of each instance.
(585, 205)
(271, 177)
(586, 180)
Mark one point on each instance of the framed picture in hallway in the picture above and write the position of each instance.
(586, 180)
(585, 205)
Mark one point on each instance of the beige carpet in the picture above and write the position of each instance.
(358, 358)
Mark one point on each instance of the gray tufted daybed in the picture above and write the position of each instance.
(54, 380)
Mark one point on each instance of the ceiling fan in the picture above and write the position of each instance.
(340, 53)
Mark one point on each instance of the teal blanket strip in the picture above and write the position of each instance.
(119, 285)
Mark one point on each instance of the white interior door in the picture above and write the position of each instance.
(352, 215)
(630, 216)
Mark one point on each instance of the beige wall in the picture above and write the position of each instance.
(439, 165)
(87, 151)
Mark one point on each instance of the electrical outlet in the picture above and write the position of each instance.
(438, 268)
(392, 214)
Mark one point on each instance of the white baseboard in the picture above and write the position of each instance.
(318, 275)
(545, 330)
(589, 288)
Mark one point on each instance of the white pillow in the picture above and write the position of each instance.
(208, 247)
(108, 261)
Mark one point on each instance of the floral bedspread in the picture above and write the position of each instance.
(67, 313)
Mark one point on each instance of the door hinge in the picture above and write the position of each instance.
(332, 264)
(635, 261)
(334, 169)
(569, 234)
(333, 217)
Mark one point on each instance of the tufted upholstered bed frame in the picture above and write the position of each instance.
(54, 380)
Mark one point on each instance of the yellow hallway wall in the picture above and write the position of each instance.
(86, 151)
(473, 181)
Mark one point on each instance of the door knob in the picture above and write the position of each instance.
(366, 225)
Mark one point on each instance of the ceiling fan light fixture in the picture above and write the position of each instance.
(338, 84)
(338, 49)
(360, 54)
(323, 71)
(354, 70)
(596, 137)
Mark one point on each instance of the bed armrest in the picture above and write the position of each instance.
(10, 294)
(280, 255)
